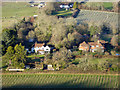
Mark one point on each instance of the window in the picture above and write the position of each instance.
(97, 45)
(92, 46)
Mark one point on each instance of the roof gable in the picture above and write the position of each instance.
(84, 44)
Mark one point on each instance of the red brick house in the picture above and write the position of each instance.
(84, 46)
(92, 46)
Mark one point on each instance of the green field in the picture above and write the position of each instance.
(13, 12)
(63, 13)
(12, 9)
(106, 5)
(37, 56)
(59, 81)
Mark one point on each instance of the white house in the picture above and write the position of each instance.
(47, 49)
(66, 6)
(41, 48)
(35, 16)
(42, 4)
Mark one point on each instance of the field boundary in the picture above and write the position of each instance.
(58, 73)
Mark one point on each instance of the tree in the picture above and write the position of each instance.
(31, 35)
(94, 30)
(9, 54)
(75, 5)
(9, 38)
(106, 29)
(62, 57)
(114, 40)
(77, 37)
(19, 56)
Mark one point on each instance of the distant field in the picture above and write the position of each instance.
(12, 12)
(59, 80)
(96, 17)
(106, 5)
(12, 9)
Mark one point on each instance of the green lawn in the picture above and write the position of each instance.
(12, 9)
(59, 81)
(108, 5)
(63, 13)
(12, 12)
(37, 56)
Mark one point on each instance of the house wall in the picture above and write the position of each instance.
(38, 48)
(45, 49)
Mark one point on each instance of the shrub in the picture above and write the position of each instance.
(76, 61)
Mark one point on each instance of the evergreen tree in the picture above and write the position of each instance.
(19, 56)
(75, 5)
(9, 54)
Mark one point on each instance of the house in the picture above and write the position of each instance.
(92, 46)
(95, 46)
(84, 46)
(38, 4)
(66, 6)
(42, 4)
(35, 16)
(41, 48)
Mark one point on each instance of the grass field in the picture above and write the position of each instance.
(63, 13)
(12, 9)
(12, 12)
(59, 81)
(106, 5)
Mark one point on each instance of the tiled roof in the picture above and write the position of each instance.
(84, 44)
(39, 44)
(40, 50)
(102, 41)
(94, 43)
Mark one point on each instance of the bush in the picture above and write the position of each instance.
(75, 62)
(114, 68)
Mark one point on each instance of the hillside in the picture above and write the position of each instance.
(12, 12)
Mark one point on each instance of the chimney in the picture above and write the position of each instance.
(98, 41)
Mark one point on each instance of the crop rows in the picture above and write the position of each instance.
(59, 80)
(96, 17)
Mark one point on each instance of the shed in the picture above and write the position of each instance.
(50, 67)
